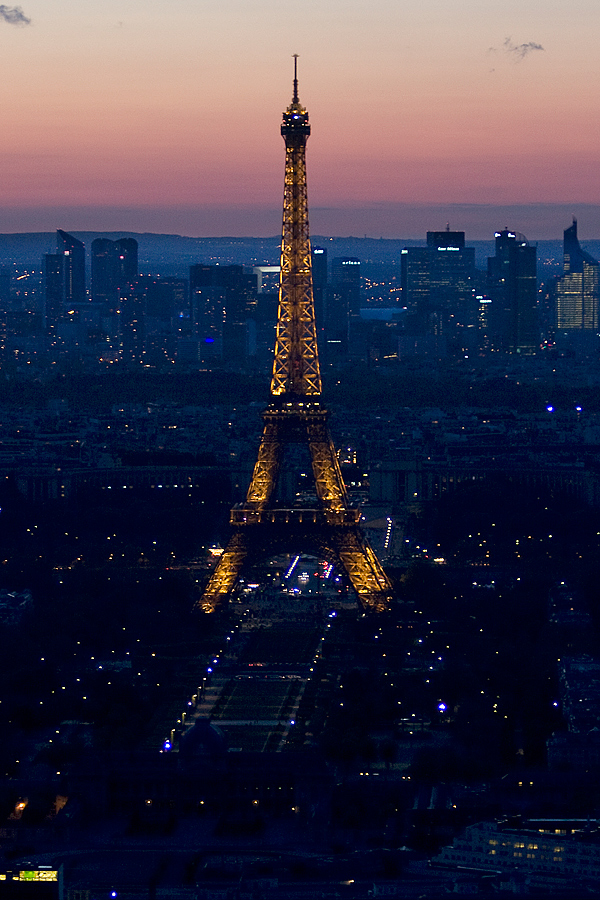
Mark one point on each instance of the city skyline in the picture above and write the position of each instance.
(156, 117)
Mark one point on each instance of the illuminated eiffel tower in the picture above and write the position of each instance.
(329, 528)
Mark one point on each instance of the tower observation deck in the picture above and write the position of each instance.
(329, 528)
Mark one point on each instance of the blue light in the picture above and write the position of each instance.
(442, 707)
(550, 408)
(167, 746)
(209, 340)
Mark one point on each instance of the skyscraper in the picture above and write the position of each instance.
(222, 305)
(342, 304)
(164, 311)
(54, 291)
(73, 252)
(414, 279)
(512, 285)
(319, 270)
(5, 305)
(577, 290)
(451, 277)
(150, 311)
(438, 289)
(114, 266)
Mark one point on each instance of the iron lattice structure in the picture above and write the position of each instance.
(330, 528)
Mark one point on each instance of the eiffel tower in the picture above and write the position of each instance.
(262, 527)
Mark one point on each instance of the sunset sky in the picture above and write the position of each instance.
(163, 115)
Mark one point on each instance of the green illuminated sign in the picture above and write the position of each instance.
(38, 875)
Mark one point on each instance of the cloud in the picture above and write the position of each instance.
(520, 51)
(14, 15)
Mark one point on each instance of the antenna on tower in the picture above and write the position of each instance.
(295, 98)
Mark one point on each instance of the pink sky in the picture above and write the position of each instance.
(159, 115)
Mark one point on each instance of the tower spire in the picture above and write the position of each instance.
(295, 97)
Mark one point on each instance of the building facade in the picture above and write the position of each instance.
(438, 284)
(512, 286)
(223, 309)
(73, 252)
(577, 291)
(114, 266)
(500, 846)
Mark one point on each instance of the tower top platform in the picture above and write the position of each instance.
(295, 118)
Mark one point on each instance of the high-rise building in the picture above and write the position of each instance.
(165, 318)
(207, 313)
(5, 298)
(345, 284)
(577, 290)
(73, 252)
(150, 310)
(438, 289)
(54, 290)
(414, 279)
(319, 270)
(5, 306)
(102, 269)
(512, 286)
(451, 277)
(343, 304)
(114, 266)
(222, 306)
(114, 274)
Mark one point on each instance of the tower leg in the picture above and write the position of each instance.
(266, 468)
(329, 483)
(364, 570)
(226, 575)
